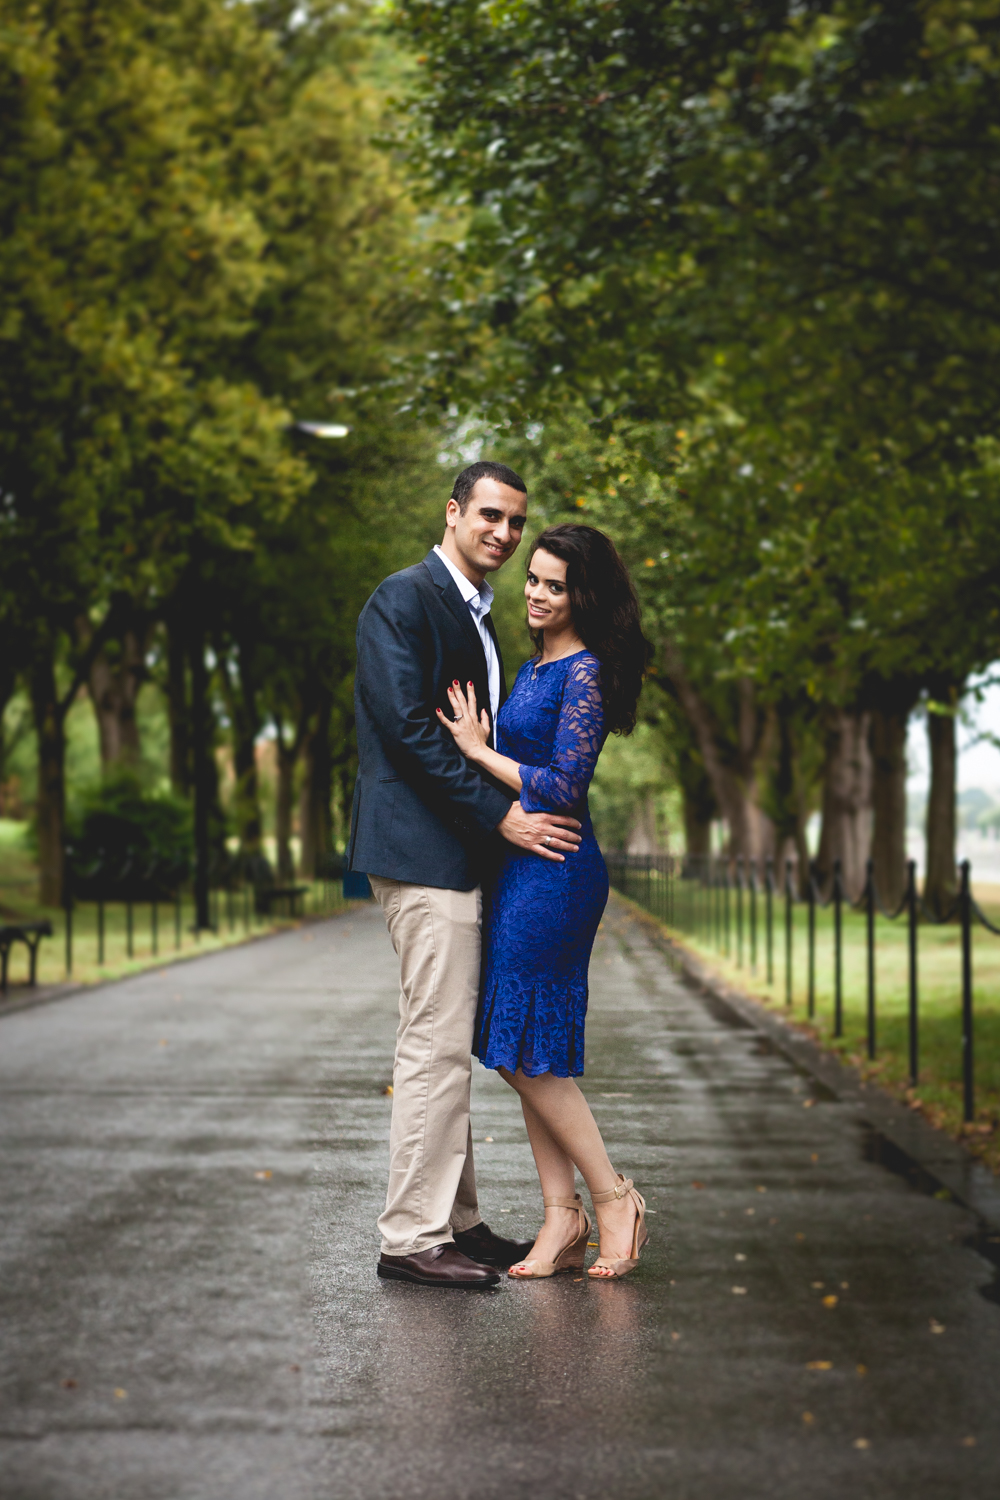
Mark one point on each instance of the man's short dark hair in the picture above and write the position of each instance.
(466, 481)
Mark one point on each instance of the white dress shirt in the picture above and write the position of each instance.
(479, 601)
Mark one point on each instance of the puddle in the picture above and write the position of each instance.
(877, 1148)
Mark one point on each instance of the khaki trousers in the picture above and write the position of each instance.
(432, 1178)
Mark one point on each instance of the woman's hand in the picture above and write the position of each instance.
(470, 729)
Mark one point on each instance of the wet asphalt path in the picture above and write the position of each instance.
(178, 1326)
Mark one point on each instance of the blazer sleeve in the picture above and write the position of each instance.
(395, 681)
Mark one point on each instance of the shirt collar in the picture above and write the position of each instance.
(480, 599)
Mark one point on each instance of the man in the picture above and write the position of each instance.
(422, 826)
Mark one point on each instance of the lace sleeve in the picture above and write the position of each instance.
(563, 783)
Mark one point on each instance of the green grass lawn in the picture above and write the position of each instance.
(938, 1093)
(150, 945)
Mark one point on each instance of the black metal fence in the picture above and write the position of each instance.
(156, 900)
(740, 907)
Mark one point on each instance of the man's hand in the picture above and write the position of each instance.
(540, 833)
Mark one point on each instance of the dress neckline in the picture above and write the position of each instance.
(584, 651)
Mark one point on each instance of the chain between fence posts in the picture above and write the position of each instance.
(769, 917)
(811, 898)
(968, 1058)
(838, 953)
(870, 935)
(788, 932)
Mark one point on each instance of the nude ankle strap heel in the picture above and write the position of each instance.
(605, 1267)
(570, 1258)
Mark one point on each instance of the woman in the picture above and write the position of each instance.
(582, 684)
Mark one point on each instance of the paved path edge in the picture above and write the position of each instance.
(970, 1182)
(47, 993)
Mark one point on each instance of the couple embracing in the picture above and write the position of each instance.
(469, 798)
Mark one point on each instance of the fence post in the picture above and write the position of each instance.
(100, 932)
(788, 932)
(911, 917)
(753, 916)
(726, 883)
(968, 1060)
(178, 898)
(154, 927)
(870, 924)
(838, 954)
(128, 928)
(739, 911)
(68, 904)
(811, 898)
(769, 917)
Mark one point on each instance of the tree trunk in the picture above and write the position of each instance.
(50, 722)
(114, 682)
(940, 879)
(178, 712)
(244, 720)
(847, 798)
(315, 828)
(286, 758)
(888, 753)
(732, 776)
(202, 774)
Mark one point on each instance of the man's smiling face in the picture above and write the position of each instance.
(481, 540)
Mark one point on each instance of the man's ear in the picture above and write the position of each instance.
(451, 513)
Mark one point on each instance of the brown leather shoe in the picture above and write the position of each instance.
(441, 1265)
(480, 1244)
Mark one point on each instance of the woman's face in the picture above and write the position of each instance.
(547, 594)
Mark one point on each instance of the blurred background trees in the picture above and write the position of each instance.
(721, 280)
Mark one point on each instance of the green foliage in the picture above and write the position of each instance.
(126, 838)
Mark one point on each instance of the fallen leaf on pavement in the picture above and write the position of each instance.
(697, 1184)
(675, 1337)
(739, 1256)
(936, 1327)
(862, 1443)
(739, 1291)
(751, 1211)
(488, 1139)
(820, 1364)
(388, 1090)
(761, 1189)
(262, 1176)
(800, 1236)
(818, 1286)
(120, 1394)
(69, 1384)
(831, 1301)
(808, 1418)
(862, 1369)
(968, 1442)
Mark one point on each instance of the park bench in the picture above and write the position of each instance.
(274, 897)
(29, 933)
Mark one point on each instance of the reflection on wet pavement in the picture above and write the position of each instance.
(194, 1226)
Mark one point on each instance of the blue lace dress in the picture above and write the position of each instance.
(541, 917)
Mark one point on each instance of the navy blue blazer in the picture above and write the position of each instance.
(421, 812)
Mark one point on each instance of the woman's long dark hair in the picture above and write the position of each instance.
(606, 615)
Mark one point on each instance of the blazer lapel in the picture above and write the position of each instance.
(455, 603)
(496, 646)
